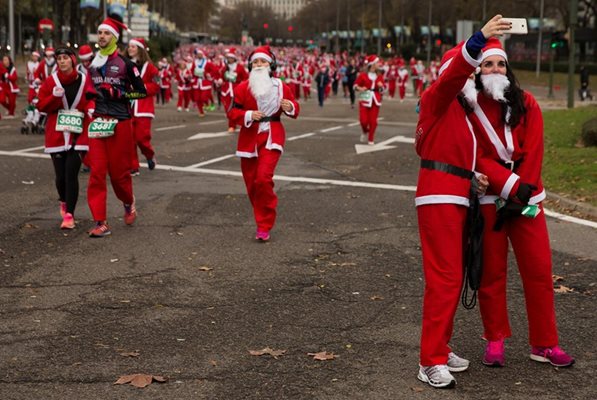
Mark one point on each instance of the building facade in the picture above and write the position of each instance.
(285, 8)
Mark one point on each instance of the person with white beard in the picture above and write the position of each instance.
(447, 147)
(509, 128)
(258, 105)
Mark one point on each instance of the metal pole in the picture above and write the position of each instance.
(337, 42)
(11, 27)
(363, 28)
(129, 11)
(551, 57)
(429, 34)
(105, 8)
(485, 11)
(402, 22)
(348, 23)
(540, 40)
(379, 30)
(572, 51)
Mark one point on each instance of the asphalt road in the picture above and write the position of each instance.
(189, 292)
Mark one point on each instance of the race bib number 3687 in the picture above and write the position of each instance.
(102, 127)
(69, 121)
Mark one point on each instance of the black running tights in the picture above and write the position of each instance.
(66, 167)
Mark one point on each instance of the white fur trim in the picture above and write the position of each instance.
(110, 29)
(494, 52)
(261, 55)
(488, 199)
(444, 66)
(246, 154)
(538, 198)
(136, 43)
(508, 186)
(441, 199)
(248, 119)
(472, 61)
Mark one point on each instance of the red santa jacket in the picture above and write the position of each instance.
(184, 78)
(165, 75)
(364, 80)
(57, 141)
(204, 72)
(402, 76)
(231, 79)
(445, 134)
(521, 148)
(145, 107)
(31, 68)
(244, 105)
(43, 70)
(9, 80)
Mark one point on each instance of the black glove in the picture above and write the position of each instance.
(510, 210)
(523, 194)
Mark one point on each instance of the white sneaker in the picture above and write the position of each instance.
(437, 376)
(457, 364)
(363, 138)
(187, 110)
(179, 109)
(371, 143)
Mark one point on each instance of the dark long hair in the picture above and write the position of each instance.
(514, 96)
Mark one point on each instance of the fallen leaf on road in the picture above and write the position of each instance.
(563, 289)
(130, 353)
(376, 297)
(113, 260)
(139, 380)
(205, 268)
(557, 278)
(268, 351)
(416, 389)
(27, 182)
(29, 226)
(323, 356)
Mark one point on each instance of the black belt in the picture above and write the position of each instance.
(448, 168)
(269, 119)
(511, 165)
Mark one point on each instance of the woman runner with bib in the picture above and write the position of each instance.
(68, 97)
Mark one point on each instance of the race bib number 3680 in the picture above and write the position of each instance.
(102, 127)
(70, 121)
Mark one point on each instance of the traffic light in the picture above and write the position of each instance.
(558, 40)
(290, 28)
(265, 26)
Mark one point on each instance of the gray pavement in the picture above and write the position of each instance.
(189, 289)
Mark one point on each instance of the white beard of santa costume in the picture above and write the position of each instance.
(260, 143)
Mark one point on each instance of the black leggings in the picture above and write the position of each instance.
(66, 167)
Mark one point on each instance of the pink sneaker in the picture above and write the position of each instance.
(68, 221)
(262, 236)
(494, 353)
(62, 208)
(130, 213)
(553, 355)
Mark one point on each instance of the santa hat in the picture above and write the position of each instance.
(230, 53)
(263, 52)
(49, 51)
(493, 47)
(35, 53)
(199, 51)
(113, 26)
(448, 56)
(139, 42)
(371, 59)
(85, 52)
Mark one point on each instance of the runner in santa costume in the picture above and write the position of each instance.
(10, 87)
(32, 65)
(46, 67)
(143, 109)
(68, 98)
(509, 127)
(204, 72)
(117, 81)
(165, 74)
(391, 77)
(370, 85)
(258, 105)
(402, 80)
(85, 55)
(184, 81)
(447, 147)
(231, 75)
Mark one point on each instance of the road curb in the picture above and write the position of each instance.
(573, 205)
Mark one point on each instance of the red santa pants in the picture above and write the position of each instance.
(142, 136)
(111, 155)
(10, 102)
(368, 118)
(184, 98)
(306, 91)
(530, 242)
(31, 95)
(258, 173)
(201, 98)
(227, 103)
(402, 91)
(441, 228)
(419, 89)
(392, 88)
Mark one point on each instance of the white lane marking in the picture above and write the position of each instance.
(333, 128)
(212, 122)
(365, 148)
(326, 119)
(167, 128)
(568, 218)
(29, 149)
(396, 123)
(212, 161)
(354, 124)
(549, 213)
(209, 135)
(290, 139)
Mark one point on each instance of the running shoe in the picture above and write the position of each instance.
(101, 229)
(457, 364)
(262, 236)
(371, 143)
(130, 213)
(553, 355)
(363, 138)
(151, 164)
(135, 172)
(231, 130)
(438, 376)
(62, 208)
(68, 221)
(494, 353)
(179, 109)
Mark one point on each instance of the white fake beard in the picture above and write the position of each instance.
(495, 85)
(260, 83)
(470, 92)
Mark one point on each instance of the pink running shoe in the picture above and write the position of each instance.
(130, 213)
(62, 208)
(68, 221)
(262, 236)
(553, 355)
(494, 353)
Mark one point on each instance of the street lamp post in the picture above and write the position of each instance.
(379, 30)
(429, 34)
(540, 40)
(11, 27)
(572, 51)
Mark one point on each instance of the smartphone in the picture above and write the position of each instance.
(519, 26)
